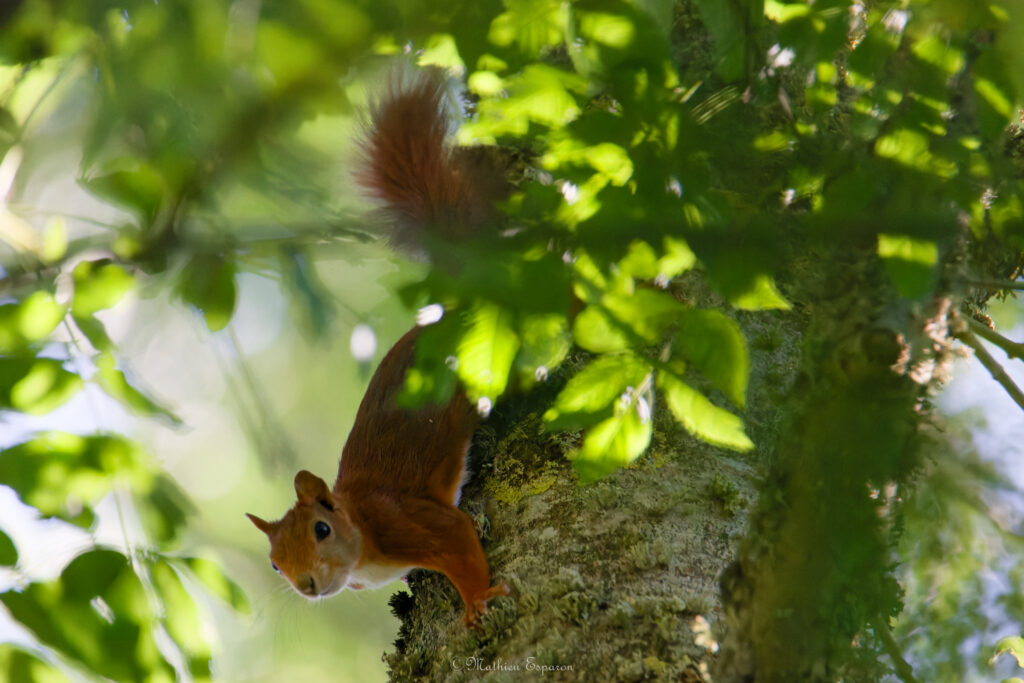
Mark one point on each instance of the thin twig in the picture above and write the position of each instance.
(903, 670)
(997, 284)
(1013, 349)
(990, 363)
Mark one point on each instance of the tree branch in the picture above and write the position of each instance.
(997, 284)
(903, 669)
(1013, 349)
(962, 331)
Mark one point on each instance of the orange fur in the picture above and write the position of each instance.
(391, 508)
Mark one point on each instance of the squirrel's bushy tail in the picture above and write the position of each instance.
(425, 183)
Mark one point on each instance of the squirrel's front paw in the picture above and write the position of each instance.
(479, 604)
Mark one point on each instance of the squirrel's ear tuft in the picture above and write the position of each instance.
(261, 524)
(310, 488)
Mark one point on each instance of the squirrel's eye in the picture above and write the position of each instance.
(321, 530)
(275, 567)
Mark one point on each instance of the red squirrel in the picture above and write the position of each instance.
(393, 505)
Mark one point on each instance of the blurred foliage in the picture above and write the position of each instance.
(662, 137)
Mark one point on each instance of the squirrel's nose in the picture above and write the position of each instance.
(307, 585)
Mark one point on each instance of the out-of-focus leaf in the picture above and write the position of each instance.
(96, 614)
(114, 382)
(308, 291)
(545, 343)
(181, 618)
(614, 443)
(911, 263)
(208, 284)
(29, 321)
(62, 474)
(701, 417)
(714, 344)
(19, 666)
(533, 24)
(591, 394)
(1012, 644)
(35, 385)
(486, 351)
(164, 510)
(8, 553)
(130, 182)
(218, 583)
(647, 312)
(762, 295)
(98, 285)
(641, 260)
(95, 331)
(595, 330)
(727, 30)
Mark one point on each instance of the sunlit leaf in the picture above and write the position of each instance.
(545, 343)
(24, 667)
(36, 385)
(701, 417)
(1013, 645)
(911, 263)
(181, 618)
(217, 582)
(98, 285)
(486, 351)
(62, 474)
(97, 614)
(714, 344)
(594, 329)
(762, 295)
(531, 24)
(29, 321)
(591, 394)
(612, 444)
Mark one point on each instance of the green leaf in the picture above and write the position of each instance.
(714, 344)
(532, 24)
(208, 283)
(36, 385)
(95, 331)
(762, 295)
(545, 343)
(647, 312)
(701, 417)
(218, 583)
(614, 443)
(116, 385)
(727, 30)
(98, 285)
(53, 471)
(130, 182)
(181, 618)
(486, 352)
(910, 262)
(97, 614)
(8, 552)
(28, 322)
(1012, 644)
(642, 262)
(591, 394)
(17, 665)
(163, 510)
(595, 330)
